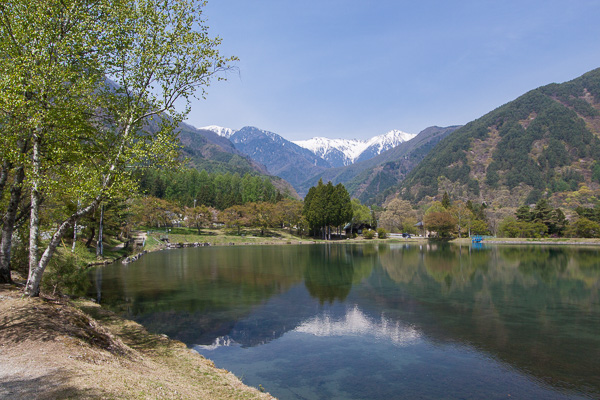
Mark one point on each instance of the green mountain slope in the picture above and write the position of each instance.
(545, 143)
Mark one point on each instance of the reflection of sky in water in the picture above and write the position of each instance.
(356, 323)
(353, 323)
(348, 354)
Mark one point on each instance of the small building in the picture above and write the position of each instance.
(420, 228)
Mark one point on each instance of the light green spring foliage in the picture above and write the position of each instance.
(60, 60)
(360, 213)
(56, 57)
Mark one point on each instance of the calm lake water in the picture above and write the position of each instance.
(337, 321)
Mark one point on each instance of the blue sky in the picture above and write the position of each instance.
(356, 69)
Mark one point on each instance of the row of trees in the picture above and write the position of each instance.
(190, 187)
(543, 220)
(71, 137)
(444, 218)
(159, 213)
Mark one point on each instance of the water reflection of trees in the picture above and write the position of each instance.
(196, 294)
(534, 307)
(332, 270)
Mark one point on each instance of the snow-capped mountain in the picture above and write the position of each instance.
(341, 152)
(283, 158)
(219, 130)
(337, 152)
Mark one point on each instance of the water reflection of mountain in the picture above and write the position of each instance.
(209, 293)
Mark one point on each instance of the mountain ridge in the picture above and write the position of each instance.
(543, 144)
(337, 152)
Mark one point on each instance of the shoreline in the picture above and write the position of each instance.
(53, 347)
(302, 241)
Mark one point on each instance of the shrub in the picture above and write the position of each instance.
(584, 228)
(382, 233)
(369, 234)
(66, 274)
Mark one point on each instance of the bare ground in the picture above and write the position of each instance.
(54, 348)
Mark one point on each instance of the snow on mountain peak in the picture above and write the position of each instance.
(389, 140)
(336, 151)
(219, 130)
(351, 148)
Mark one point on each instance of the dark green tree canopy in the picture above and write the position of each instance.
(327, 205)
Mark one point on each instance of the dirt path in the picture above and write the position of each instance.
(51, 348)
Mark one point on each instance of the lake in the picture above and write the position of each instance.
(377, 321)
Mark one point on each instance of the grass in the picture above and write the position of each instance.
(216, 237)
(56, 348)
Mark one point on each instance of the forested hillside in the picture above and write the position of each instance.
(206, 150)
(545, 143)
(190, 187)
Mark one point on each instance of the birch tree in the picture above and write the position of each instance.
(98, 89)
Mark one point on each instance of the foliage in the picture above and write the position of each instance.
(441, 222)
(369, 234)
(446, 200)
(326, 206)
(554, 220)
(479, 227)
(382, 233)
(290, 214)
(592, 214)
(360, 213)
(512, 228)
(198, 217)
(584, 228)
(189, 187)
(463, 215)
(398, 216)
(66, 274)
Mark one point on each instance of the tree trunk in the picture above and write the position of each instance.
(33, 280)
(8, 224)
(3, 177)
(32, 288)
(99, 248)
(89, 241)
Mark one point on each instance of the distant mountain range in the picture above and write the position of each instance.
(545, 143)
(337, 152)
(280, 156)
(355, 163)
(372, 180)
(204, 149)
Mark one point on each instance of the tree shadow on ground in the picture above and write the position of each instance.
(50, 386)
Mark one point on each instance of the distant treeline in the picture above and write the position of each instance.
(190, 187)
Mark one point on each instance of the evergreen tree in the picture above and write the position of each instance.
(446, 200)
(325, 206)
(524, 213)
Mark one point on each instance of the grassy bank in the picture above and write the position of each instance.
(52, 348)
(221, 237)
